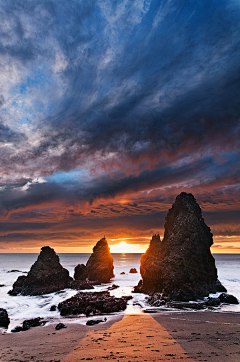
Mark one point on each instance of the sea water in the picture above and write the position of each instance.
(27, 307)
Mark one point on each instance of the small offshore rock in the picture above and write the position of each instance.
(15, 271)
(82, 284)
(35, 322)
(228, 299)
(138, 288)
(122, 273)
(2, 285)
(133, 270)
(17, 329)
(93, 322)
(53, 308)
(28, 323)
(112, 287)
(60, 326)
(4, 319)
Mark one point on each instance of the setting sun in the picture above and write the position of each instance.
(123, 247)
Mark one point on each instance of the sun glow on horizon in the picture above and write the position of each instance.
(123, 247)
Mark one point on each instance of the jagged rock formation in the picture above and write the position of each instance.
(181, 266)
(99, 266)
(4, 319)
(45, 276)
(156, 300)
(82, 284)
(93, 303)
(27, 324)
(80, 272)
(150, 267)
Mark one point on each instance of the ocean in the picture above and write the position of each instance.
(25, 307)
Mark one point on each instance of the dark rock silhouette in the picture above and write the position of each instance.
(99, 266)
(150, 268)
(35, 322)
(93, 322)
(4, 319)
(228, 299)
(181, 266)
(112, 287)
(156, 301)
(82, 284)
(187, 305)
(133, 270)
(17, 329)
(220, 287)
(60, 326)
(45, 276)
(80, 272)
(92, 303)
(27, 324)
(213, 302)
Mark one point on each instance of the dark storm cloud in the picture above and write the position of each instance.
(33, 194)
(142, 77)
(138, 94)
(177, 83)
(8, 135)
(198, 174)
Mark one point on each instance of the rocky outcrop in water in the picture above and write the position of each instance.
(92, 303)
(82, 284)
(99, 266)
(156, 300)
(180, 266)
(45, 276)
(4, 319)
(228, 299)
(27, 324)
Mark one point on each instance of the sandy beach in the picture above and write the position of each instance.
(185, 336)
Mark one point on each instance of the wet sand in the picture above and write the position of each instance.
(185, 336)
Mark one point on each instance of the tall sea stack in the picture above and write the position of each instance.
(45, 276)
(180, 266)
(99, 266)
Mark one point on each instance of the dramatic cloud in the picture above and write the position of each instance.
(109, 109)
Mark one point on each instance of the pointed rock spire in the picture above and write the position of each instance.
(181, 266)
(99, 266)
(45, 276)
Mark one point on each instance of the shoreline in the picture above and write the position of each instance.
(134, 310)
(179, 336)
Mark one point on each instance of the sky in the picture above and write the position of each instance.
(108, 110)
